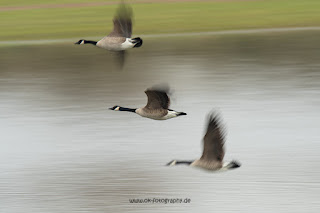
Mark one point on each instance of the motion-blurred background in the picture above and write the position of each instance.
(255, 61)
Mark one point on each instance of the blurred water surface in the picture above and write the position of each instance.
(62, 150)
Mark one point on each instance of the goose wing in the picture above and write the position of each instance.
(120, 58)
(122, 22)
(157, 99)
(213, 141)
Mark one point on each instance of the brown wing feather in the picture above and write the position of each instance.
(213, 141)
(122, 22)
(157, 99)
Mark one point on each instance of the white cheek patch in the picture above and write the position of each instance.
(82, 42)
(174, 162)
(118, 108)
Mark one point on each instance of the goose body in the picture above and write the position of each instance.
(213, 149)
(118, 43)
(119, 39)
(158, 114)
(157, 107)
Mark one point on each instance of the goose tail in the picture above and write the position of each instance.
(234, 164)
(181, 113)
(137, 42)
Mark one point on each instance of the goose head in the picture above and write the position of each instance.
(116, 108)
(80, 42)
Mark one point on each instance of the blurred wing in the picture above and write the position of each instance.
(213, 141)
(157, 99)
(120, 58)
(122, 22)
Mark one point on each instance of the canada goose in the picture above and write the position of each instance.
(213, 149)
(157, 107)
(120, 38)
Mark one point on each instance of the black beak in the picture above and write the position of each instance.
(182, 113)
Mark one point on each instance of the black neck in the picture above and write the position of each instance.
(184, 162)
(90, 42)
(127, 109)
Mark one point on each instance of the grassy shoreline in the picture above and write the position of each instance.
(158, 18)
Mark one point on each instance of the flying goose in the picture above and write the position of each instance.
(120, 38)
(157, 107)
(213, 149)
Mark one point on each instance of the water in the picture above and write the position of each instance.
(62, 150)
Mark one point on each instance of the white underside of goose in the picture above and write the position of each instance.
(127, 44)
(171, 114)
(226, 166)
